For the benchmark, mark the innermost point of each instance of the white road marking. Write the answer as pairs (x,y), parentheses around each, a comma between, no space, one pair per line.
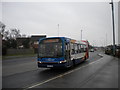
(38,84)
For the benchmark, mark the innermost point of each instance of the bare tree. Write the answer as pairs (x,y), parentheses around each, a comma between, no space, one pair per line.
(15,33)
(2,28)
(6,35)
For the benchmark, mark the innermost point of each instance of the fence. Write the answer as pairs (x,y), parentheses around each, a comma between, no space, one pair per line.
(19,51)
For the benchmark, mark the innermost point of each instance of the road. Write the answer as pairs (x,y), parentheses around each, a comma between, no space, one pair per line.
(96,72)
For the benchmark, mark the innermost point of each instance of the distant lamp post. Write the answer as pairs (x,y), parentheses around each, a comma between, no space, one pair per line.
(106,39)
(58,30)
(81,34)
(113,26)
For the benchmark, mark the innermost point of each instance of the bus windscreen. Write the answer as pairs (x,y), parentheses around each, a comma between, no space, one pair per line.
(50,48)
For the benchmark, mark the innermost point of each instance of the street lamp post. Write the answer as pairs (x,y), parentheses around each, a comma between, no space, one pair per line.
(113,26)
(106,39)
(81,34)
(58,30)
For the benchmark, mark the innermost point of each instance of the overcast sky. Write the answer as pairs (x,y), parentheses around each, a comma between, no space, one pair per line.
(94,18)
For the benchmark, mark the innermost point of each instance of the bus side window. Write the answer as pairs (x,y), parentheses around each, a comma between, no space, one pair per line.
(72,48)
(79,48)
(67,47)
(82,48)
(85,48)
(67,51)
(76,48)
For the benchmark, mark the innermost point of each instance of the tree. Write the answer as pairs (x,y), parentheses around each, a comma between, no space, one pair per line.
(26,43)
(9,37)
(15,33)
(2,29)
(6,35)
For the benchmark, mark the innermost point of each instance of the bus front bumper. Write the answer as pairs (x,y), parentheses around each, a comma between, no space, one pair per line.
(52,65)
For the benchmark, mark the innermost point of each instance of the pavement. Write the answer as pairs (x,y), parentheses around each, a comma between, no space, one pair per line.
(99,71)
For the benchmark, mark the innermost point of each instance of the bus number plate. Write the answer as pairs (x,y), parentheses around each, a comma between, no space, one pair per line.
(49,65)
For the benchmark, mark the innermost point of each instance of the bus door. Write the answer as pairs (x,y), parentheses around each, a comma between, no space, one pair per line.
(67,54)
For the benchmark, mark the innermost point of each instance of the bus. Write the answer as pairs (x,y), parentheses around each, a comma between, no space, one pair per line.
(61,52)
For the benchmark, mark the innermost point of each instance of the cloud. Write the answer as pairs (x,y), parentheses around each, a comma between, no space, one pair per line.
(42,18)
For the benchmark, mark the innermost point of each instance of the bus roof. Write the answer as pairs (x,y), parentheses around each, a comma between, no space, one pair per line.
(66,39)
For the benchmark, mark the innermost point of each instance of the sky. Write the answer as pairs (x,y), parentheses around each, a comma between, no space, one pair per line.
(42,18)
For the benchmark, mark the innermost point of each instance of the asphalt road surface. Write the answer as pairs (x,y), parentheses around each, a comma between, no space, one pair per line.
(96,72)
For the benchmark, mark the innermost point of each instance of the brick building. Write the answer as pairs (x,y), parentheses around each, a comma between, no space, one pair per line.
(34,41)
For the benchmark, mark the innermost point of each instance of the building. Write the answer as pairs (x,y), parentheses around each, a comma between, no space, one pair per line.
(35,39)
(23,42)
(29,42)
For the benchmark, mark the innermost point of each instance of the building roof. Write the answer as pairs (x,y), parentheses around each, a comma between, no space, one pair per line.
(22,38)
(37,37)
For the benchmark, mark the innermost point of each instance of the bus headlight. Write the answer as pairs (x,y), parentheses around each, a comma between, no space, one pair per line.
(62,61)
(39,62)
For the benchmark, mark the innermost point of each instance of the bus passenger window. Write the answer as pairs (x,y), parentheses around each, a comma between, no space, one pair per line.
(85,48)
(67,52)
(79,48)
(82,49)
(76,48)
(72,49)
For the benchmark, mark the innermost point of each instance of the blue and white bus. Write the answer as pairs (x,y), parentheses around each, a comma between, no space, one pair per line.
(61,52)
